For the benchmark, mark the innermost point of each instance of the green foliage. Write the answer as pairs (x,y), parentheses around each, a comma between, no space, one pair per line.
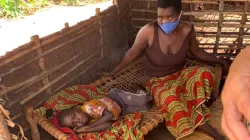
(15,8)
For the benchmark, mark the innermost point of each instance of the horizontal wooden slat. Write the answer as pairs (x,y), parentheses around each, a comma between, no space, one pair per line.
(200,1)
(201,13)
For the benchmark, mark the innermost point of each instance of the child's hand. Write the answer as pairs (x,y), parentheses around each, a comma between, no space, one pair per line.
(82,129)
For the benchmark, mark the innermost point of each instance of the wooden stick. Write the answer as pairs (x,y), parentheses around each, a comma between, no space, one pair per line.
(220,44)
(224,33)
(213,12)
(36,40)
(221,8)
(199,1)
(25,100)
(116,2)
(50,128)
(28,109)
(197,20)
(217,80)
(66,26)
(4,131)
(47,52)
(70,80)
(241,32)
(103,25)
(148,5)
(214,25)
(60,34)
(221,48)
(208,35)
(16,116)
(97,11)
(100,30)
(209,0)
(200,13)
(44,53)
(36,78)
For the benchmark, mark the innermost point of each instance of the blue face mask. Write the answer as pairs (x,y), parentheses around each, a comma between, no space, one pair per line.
(169,27)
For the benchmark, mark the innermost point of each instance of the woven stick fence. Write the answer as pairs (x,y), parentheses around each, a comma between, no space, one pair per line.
(221,26)
(35,71)
(40,68)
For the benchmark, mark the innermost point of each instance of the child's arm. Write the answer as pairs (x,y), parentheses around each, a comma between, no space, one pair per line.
(98,128)
(106,117)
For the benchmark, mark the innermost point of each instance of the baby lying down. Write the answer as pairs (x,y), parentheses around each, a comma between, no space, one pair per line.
(96,115)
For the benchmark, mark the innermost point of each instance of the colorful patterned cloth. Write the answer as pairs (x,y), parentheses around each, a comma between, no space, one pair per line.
(181,98)
(126,128)
(95,108)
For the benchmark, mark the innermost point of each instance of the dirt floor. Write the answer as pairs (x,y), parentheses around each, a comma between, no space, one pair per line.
(16,32)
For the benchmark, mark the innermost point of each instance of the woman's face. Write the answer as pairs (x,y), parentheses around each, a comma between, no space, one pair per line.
(167,15)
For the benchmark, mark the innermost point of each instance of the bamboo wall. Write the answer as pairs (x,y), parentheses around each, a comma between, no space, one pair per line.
(222,26)
(74,55)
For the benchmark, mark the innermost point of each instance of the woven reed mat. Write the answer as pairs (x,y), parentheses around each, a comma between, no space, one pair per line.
(135,73)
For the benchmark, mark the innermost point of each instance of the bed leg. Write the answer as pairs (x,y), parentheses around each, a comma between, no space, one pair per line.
(218,72)
(4,131)
(32,123)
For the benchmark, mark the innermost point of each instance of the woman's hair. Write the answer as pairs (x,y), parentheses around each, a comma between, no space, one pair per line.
(176,4)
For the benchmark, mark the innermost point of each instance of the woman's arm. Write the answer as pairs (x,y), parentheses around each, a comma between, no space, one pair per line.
(98,128)
(106,117)
(204,56)
(139,45)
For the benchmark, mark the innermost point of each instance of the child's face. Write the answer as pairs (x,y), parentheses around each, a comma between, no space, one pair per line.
(75,118)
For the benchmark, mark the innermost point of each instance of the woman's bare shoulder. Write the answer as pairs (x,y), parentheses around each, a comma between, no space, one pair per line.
(186,27)
(147,29)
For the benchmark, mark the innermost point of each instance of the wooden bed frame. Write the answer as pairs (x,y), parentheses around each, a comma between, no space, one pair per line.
(132,73)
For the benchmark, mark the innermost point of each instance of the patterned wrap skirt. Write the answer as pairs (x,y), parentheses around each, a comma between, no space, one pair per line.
(181,97)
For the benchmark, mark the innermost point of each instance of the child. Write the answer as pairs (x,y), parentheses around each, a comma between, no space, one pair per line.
(96,115)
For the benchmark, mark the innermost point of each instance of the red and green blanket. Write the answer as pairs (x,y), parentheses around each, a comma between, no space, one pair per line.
(126,128)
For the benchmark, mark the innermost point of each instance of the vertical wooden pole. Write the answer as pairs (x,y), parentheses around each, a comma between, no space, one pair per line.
(148,4)
(36,40)
(216,46)
(116,2)
(66,27)
(4,131)
(132,32)
(32,123)
(241,31)
(97,13)
(191,7)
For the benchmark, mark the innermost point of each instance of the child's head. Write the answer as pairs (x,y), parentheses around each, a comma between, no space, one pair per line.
(73,118)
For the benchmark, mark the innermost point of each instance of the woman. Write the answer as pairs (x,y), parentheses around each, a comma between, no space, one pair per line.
(179,92)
